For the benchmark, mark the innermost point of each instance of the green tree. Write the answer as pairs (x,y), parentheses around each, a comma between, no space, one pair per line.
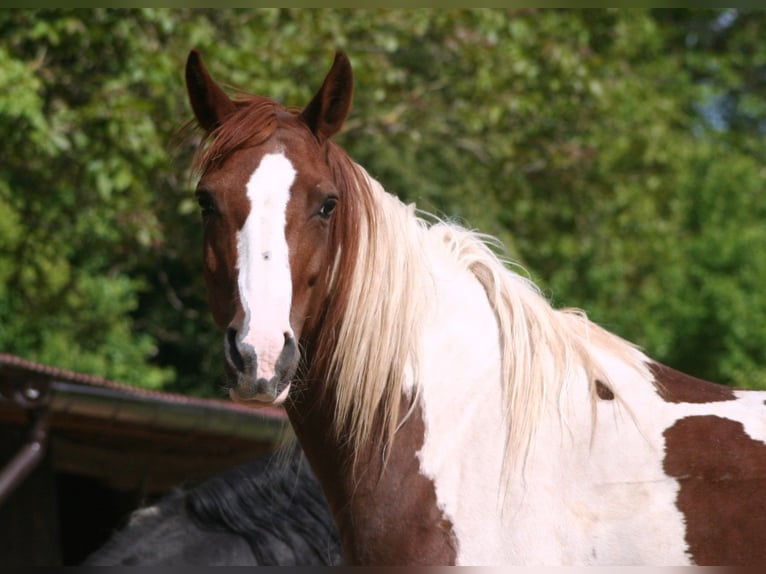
(79,154)
(617,153)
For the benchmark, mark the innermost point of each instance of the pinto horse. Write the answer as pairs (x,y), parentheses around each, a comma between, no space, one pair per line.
(451,414)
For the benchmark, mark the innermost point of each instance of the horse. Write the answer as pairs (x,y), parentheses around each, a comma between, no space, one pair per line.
(452,415)
(267,512)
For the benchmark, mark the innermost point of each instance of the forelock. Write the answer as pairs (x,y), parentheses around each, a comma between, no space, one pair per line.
(255,120)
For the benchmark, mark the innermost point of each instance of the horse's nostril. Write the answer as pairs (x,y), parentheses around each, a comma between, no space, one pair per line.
(234,356)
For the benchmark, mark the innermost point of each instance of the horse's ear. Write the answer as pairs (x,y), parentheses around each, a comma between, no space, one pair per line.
(210,104)
(328,109)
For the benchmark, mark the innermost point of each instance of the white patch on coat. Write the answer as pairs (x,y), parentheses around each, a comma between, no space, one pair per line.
(584,495)
(264,281)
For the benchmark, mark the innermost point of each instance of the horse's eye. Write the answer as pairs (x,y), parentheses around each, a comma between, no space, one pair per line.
(328,207)
(206,203)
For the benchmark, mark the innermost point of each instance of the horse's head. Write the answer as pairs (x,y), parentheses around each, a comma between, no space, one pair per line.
(268,200)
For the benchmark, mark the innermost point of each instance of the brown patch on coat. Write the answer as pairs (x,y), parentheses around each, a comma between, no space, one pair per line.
(385,516)
(604,392)
(721,472)
(677,387)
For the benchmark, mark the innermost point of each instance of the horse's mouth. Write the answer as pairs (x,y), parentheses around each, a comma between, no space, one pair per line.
(256,380)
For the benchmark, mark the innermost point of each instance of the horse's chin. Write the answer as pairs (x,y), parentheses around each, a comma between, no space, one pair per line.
(257,399)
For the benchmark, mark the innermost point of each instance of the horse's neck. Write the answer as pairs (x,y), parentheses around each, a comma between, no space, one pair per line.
(444,476)
(460,393)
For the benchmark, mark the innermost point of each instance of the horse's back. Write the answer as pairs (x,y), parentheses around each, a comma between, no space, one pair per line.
(266,512)
(680,462)
(164,535)
(715,450)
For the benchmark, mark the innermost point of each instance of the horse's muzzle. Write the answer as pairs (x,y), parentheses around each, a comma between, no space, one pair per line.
(261,381)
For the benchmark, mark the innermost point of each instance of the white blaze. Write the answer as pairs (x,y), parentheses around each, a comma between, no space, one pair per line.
(265,285)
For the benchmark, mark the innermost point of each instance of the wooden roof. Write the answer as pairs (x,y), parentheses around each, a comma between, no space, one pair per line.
(128,436)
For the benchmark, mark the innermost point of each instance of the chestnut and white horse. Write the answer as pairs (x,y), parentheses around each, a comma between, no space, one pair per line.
(451,415)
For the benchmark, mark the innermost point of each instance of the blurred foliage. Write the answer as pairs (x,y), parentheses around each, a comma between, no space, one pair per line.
(617,153)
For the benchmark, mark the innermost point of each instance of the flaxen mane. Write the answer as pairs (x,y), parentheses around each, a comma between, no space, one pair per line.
(385,285)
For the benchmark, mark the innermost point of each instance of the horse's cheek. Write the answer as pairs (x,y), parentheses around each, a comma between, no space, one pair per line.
(211,262)
(305,268)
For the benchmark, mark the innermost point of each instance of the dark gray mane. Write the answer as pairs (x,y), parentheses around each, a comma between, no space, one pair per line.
(276,505)
(267,512)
